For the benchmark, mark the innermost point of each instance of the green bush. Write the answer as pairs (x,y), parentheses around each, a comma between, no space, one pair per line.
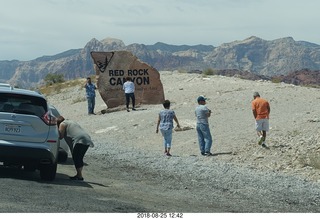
(209,71)
(51,79)
(276,80)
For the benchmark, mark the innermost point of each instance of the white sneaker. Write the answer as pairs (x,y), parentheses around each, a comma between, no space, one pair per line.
(261,140)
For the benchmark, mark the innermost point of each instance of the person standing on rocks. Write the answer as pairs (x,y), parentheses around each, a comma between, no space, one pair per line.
(261,112)
(91,95)
(203,130)
(78,139)
(129,88)
(165,122)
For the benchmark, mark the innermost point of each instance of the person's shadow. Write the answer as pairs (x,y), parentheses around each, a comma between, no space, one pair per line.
(221,153)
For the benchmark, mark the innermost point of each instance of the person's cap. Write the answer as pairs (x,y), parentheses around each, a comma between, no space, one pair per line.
(201,98)
(256,94)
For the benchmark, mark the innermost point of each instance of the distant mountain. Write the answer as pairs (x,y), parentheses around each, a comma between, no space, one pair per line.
(252,56)
(276,57)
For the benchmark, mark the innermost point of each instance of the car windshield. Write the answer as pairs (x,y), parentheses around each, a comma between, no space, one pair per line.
(23,104)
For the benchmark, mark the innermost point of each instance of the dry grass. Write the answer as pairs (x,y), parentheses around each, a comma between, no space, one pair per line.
(58,87)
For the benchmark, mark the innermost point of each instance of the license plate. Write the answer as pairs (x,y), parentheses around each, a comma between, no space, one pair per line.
(13,129)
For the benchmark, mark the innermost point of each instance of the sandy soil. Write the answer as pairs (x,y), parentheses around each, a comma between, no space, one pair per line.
(241,177)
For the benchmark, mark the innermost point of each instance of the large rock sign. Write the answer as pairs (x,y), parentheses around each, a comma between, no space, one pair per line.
(113,67)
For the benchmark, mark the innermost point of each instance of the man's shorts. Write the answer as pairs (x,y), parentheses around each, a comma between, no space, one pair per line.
(262,125)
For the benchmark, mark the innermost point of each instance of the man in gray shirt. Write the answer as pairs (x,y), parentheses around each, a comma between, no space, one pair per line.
(204,136)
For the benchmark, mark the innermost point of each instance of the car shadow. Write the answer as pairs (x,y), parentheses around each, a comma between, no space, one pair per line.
(20,174)
(69,162)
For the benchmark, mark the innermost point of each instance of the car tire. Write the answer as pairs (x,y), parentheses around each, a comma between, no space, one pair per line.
(62,156)
(48,171)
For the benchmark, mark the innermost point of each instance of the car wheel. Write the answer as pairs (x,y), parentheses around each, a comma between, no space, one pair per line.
(62,156)
(48,171)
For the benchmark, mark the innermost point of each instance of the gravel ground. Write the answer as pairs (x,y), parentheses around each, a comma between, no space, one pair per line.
(241,177)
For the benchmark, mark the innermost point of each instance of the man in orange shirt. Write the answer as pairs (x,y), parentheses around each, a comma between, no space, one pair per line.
(261,112)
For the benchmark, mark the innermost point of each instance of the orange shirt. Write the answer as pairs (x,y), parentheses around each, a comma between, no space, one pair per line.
(261,106)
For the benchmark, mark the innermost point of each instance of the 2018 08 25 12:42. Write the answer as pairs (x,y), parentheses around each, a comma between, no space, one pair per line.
(159,215)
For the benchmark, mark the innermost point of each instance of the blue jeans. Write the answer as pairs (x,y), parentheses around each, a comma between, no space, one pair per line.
(204,137)
(167,138)
(132,97)
(91,104)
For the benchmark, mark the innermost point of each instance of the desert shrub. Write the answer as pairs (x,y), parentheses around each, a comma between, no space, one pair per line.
(59,86)
(51,79)
(276,80)
(209,71)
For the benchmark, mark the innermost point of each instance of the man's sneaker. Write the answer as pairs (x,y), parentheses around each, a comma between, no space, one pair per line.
(208,154)
(168,154)
(261,140)
(134,109)
(204,154)
(128,110)
(76,178)
(264,145)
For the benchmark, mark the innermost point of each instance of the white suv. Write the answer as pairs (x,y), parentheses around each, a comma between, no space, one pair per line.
(28,132)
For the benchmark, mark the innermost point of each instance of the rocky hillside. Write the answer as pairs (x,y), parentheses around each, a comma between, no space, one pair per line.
(252,56)
(304,77)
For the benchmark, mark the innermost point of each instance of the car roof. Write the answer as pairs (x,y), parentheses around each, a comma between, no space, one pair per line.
(7,88)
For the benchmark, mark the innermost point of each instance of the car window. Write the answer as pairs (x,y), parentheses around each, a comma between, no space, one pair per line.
(7,107)
(23,104)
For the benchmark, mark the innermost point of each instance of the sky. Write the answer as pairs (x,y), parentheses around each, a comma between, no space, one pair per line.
(33,28)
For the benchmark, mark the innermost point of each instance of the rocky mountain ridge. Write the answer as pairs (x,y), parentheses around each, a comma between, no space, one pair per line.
(252,56)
